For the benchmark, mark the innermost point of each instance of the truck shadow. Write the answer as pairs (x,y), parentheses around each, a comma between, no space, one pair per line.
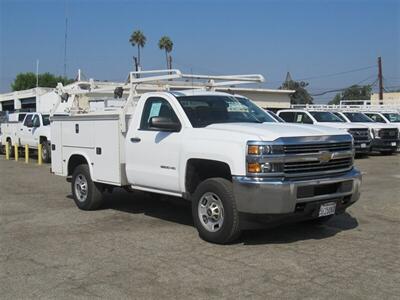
(179,211)
(162,207)
(290,233)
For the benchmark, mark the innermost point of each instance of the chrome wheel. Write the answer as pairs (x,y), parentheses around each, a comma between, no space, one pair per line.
(211,212)
(81,188)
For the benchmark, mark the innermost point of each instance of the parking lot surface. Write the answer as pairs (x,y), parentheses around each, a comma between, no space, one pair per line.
(143,247)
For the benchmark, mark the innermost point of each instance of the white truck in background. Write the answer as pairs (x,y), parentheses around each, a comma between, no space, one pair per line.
(34,129)
(360,133)
(208,148)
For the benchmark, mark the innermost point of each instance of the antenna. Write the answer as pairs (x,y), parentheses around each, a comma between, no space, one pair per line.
(65,40)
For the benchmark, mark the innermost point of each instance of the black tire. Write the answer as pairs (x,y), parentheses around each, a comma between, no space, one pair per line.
(321,220)
(46,152)
(94,195)
(229,229)
(10,148)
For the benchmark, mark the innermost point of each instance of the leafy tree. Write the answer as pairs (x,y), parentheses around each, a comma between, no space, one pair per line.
(166,43)
(301,95)
(138,39)
(354,92)
(24,81)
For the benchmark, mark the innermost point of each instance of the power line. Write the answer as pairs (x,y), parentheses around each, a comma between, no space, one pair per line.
(342,89)
(339,73)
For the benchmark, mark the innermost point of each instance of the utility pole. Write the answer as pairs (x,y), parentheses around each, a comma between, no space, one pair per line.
(380,79)
(37,73)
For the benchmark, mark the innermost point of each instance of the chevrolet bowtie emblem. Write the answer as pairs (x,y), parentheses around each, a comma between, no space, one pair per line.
(325,156)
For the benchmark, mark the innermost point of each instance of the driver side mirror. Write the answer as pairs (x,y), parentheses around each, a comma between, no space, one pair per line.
(164,124)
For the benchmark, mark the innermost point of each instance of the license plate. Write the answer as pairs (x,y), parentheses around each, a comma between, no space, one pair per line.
(327,209)
(363,145)
(394,144)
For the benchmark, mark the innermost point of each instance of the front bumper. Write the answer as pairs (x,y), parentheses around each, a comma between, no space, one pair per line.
(274,196)
(362,146)
(385,144)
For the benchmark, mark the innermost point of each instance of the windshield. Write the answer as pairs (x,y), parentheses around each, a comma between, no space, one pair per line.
(358,117)
(46,120)
(325,116)
(392,117)
(205,110)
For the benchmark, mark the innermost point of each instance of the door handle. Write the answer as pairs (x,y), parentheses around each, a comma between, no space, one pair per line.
(20,129)
(135,140)
(29,130)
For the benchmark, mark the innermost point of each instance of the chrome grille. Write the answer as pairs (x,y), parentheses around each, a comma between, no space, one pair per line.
(360,134)
(316,148)
(388,133)
(316,166)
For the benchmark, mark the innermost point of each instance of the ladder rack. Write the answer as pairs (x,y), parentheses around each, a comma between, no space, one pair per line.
(145,81)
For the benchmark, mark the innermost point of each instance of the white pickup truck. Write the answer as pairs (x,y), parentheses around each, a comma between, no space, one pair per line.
(32,131)
(213,150)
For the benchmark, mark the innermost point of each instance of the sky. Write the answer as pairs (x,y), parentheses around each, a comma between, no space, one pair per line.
(329,44)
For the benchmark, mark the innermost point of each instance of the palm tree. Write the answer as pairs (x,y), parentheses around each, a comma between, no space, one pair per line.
(138,39)
(166,44)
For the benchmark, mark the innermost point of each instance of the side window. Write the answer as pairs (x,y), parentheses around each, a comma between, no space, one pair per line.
(376,118)
(21,117)
(302,117)
(28,120)
(288,116)
(36,121)
(156,107)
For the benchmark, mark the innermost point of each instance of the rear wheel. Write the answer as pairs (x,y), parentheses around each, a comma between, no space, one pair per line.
(87,194)
(214,211)
(46,153)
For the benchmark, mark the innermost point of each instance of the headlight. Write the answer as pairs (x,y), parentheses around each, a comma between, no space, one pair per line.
(264,168)
(257,160)
(264,149)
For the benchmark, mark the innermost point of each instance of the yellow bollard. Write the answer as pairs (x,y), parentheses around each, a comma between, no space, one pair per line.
(16,152)
(39,154)
(26,154)
(7,151)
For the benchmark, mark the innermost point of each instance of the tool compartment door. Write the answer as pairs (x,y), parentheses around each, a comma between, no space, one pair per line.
(106,160)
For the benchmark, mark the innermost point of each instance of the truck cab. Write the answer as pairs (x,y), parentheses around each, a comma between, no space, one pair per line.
(361,136)
(385,137)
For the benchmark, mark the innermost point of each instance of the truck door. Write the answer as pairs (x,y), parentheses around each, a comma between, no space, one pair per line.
(25,132)
(152,156)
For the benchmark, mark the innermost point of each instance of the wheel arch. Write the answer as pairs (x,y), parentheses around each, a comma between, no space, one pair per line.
(77,159)
(200,169)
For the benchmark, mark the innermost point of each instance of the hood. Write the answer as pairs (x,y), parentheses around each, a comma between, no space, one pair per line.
(273,131)
(376,125)
(342,125)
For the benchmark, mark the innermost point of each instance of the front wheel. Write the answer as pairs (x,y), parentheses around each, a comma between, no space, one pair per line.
(214,211)
(87,194)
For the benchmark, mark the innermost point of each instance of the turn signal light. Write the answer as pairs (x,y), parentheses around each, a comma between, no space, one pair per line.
(253,150)
(253,168)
